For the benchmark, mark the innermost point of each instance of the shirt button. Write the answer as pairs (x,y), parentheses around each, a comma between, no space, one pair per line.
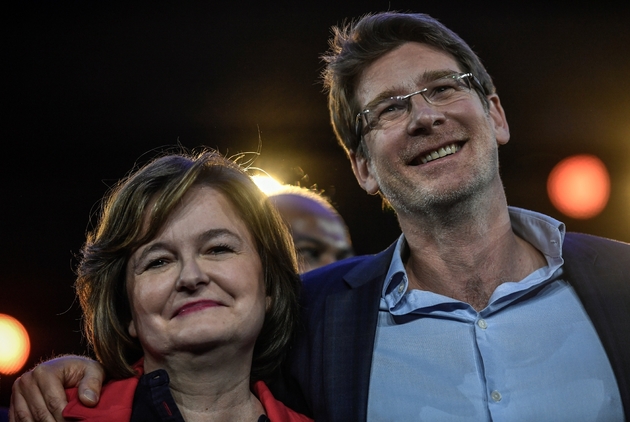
(401,287)
(496,396)
(482,324)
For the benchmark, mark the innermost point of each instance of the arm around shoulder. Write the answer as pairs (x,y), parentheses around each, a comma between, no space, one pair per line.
(39,395)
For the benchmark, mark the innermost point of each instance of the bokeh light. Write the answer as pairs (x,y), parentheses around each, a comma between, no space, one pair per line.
(14,345)
(579,186)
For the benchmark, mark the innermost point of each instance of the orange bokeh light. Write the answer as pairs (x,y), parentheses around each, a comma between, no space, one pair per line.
(14,345)
(579,186)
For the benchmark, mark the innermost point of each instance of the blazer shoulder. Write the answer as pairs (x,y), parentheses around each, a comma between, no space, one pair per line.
(573,238)
(347,273)
(597,249)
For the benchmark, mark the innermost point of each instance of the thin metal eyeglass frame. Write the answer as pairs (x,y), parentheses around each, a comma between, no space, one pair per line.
(358,124)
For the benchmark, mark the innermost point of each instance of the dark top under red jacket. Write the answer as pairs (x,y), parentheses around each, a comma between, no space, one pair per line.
(147,397)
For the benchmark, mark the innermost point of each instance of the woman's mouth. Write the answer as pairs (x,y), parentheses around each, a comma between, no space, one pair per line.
(195,306)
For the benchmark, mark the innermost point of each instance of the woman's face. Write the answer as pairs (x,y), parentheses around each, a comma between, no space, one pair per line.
(198,284)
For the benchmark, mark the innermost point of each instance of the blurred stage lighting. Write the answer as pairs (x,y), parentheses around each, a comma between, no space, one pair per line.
(14,345)
(579,186)
(267,184)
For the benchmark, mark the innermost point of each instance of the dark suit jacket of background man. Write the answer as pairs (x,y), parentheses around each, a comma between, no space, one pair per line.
(331,359)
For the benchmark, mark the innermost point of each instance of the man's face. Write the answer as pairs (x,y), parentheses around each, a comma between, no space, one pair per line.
(394,163)
(319,240)
(319,234)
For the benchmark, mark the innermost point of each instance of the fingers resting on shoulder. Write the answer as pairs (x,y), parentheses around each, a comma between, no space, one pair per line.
(38,395)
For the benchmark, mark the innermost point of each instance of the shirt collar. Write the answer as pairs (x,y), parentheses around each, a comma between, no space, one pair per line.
(545,233)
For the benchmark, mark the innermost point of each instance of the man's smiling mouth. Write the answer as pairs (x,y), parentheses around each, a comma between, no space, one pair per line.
(439,153)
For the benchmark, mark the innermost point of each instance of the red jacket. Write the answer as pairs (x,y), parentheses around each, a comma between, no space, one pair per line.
(116,402)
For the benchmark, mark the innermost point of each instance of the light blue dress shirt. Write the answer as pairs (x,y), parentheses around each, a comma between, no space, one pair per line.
(531,355)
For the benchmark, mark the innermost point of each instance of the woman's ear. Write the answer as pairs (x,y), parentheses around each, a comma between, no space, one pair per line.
(132,329)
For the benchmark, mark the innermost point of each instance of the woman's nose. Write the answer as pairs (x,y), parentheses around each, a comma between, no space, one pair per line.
(191,275)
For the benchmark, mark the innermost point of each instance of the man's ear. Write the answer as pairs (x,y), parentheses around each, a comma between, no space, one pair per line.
(499,121)
(362,169)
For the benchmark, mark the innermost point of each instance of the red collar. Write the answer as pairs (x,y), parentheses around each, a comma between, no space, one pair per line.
(116,402)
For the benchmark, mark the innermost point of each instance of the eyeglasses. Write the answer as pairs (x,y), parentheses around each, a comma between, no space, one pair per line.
(440,92)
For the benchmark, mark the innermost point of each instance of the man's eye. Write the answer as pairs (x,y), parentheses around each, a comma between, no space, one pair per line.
(441,89)
(389,108)
(343,255)
(310,253)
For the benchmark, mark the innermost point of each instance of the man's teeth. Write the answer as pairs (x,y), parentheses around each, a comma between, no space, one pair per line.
(442,152)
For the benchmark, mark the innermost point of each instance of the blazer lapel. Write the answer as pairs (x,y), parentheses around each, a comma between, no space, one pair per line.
(350,327)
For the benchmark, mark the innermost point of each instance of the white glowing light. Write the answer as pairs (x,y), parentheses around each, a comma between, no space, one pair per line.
(14,345)
(267,184)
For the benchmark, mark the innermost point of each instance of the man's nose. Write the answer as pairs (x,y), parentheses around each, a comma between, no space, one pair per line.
(423,116)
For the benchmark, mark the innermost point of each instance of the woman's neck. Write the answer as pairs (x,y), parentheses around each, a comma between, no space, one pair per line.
(227,400)
(210,389)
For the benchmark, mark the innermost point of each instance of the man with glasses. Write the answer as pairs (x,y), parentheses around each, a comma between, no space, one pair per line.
(479,311)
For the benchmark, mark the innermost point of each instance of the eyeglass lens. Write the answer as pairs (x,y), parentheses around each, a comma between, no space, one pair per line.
(440,92)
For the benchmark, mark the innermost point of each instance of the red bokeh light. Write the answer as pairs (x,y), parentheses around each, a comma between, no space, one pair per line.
(579,186)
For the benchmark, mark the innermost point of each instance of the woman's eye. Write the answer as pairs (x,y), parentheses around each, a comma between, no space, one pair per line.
(156,263)
(220,249)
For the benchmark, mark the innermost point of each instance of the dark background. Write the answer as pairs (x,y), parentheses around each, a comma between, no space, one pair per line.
(89,88)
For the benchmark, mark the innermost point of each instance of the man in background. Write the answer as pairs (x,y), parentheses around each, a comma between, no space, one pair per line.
(319,233)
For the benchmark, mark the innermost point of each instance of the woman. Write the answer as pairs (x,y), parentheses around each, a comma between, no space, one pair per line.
(189,290)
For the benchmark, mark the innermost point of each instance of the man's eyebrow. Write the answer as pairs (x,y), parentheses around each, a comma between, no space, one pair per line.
(307,238)
(425,77)
(432,75)
(381,97)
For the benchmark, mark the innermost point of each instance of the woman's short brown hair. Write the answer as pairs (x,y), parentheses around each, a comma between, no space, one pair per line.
(154,191)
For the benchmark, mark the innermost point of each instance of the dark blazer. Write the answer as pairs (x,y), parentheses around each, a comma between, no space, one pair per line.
(329,366)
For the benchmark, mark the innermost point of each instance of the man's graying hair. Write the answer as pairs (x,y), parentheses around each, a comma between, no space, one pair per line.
(356,45)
